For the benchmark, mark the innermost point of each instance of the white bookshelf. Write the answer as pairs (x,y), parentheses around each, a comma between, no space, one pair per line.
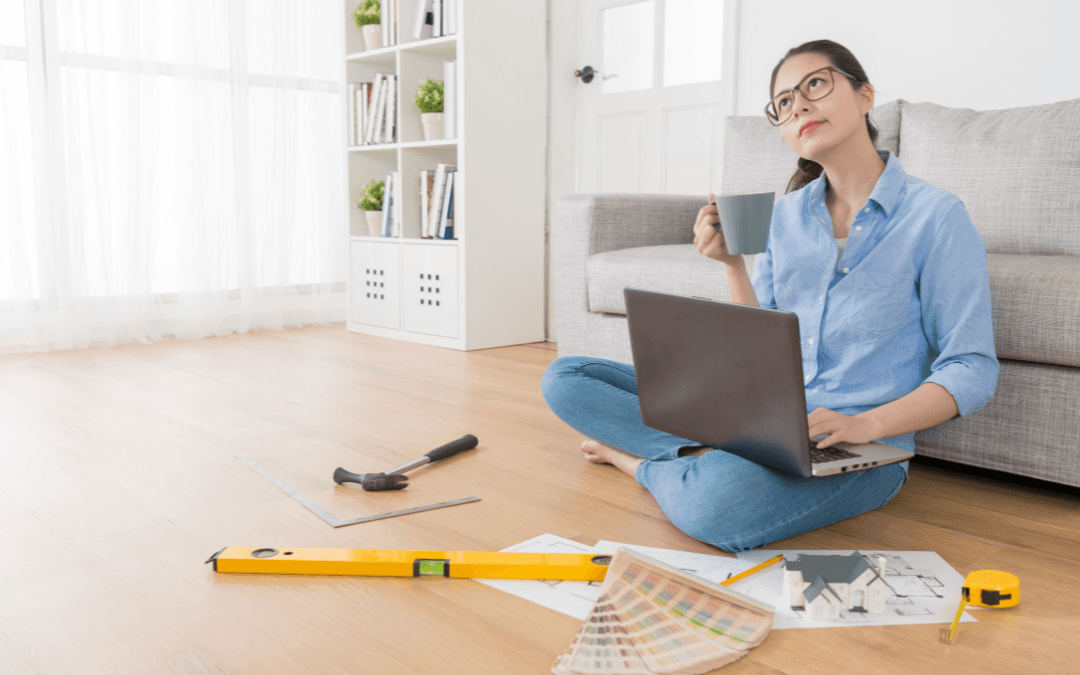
(485,288)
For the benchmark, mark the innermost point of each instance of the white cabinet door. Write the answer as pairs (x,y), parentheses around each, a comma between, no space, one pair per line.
(376,299)
(431,289)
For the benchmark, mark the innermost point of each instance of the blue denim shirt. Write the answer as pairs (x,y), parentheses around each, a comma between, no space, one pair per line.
(908,303)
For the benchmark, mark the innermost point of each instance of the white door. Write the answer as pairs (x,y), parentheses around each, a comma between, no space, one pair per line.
(650,121)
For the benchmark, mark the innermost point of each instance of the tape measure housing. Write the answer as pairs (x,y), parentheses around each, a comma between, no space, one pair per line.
(992,588)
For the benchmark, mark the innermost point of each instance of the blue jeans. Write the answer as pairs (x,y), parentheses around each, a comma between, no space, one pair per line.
(718,498)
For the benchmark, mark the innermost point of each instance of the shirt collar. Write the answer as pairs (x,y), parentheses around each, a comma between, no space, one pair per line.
(886,193)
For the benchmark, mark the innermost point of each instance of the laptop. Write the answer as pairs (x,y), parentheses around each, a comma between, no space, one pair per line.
(729,376)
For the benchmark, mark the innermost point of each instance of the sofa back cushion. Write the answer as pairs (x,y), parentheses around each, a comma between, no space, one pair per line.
(758,159)
(1017,170)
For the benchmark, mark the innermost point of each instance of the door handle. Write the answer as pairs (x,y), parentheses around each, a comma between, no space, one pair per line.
(588,72)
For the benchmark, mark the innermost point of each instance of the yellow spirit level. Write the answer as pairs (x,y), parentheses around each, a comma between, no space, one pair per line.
(390,563)
(987,588)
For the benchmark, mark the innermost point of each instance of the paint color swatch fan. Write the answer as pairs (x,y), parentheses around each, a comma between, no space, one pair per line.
(654,618)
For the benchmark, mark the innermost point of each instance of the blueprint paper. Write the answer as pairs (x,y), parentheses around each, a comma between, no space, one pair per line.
(714,568)
(923,588)
(575,598)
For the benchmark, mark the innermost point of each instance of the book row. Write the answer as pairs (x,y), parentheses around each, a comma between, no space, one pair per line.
(436,203)
(372,111)
(441,15)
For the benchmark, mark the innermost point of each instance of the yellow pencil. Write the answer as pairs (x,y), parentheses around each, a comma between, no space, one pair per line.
(743,575)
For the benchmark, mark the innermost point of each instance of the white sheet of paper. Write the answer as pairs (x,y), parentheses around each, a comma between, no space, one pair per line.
(711,567)
(575,598)
(923,589)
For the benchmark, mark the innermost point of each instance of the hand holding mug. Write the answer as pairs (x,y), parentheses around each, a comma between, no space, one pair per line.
(709,239)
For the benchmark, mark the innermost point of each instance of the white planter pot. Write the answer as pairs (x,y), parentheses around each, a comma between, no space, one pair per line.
(433,126)
(374,223)
(372,36)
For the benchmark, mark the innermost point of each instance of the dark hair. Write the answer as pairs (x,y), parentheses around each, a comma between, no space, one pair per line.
(841,58)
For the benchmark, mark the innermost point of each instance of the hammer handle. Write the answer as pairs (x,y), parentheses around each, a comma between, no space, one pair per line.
(466,442)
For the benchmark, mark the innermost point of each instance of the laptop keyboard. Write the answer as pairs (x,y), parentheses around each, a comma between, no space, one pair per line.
(829,454)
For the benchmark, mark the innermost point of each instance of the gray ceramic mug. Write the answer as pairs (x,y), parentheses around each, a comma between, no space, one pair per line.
(744,220)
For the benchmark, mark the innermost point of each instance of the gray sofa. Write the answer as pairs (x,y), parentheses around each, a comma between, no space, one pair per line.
(1018,173)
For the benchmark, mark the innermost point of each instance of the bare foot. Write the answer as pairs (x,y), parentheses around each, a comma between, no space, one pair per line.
(594,452)
(598,453)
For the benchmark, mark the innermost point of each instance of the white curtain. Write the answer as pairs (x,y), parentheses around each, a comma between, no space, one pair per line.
(169,168)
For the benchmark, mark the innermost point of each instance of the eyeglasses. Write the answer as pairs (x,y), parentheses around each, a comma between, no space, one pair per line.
(814,87)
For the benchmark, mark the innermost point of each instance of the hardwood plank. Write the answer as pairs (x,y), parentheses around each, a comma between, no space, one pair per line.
(117,480)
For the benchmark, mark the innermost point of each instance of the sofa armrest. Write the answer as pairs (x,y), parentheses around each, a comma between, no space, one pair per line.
(596,223)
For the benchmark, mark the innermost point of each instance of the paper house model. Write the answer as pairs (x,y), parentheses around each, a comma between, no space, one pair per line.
(825,584)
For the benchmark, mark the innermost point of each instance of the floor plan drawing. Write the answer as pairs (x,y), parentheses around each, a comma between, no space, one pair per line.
(922,588)
(575,598)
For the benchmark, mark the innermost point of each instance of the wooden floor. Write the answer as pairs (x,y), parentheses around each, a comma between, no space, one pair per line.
(118,480)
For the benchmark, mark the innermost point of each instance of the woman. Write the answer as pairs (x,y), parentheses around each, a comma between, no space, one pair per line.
(888,277)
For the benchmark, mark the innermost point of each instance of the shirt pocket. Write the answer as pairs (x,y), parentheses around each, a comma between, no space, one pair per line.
(881,303)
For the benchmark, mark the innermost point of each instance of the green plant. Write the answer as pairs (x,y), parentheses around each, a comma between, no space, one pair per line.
(429,97)
(367,13)
(373,196)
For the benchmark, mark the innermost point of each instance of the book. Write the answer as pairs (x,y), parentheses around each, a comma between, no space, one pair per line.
(437,195)
(436,28)
(365,89)
(385,224)
(395,230)
(451,14)
(385,25)
(351,114)
(422,11)
(427,182)
(392,18)
(391,103)
(376,94)
(655,618)
(446,217)
(449,99)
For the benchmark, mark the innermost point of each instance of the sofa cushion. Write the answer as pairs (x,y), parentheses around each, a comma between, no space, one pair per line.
(1035,299)
(758,159)
(1017,170)
(676,268)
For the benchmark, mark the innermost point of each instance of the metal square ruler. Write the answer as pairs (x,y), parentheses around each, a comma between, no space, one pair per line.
(330,518)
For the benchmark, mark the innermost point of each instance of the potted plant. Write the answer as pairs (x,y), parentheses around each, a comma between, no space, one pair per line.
(371,202)
(429,99)
(368,20)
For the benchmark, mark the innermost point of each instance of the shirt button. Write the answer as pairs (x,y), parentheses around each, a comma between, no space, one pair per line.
(811,340)
(866,210)
(823,203)
(821,297)
(858,228)
(846,270)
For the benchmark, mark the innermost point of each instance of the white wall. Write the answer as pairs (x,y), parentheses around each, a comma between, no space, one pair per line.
(983,55)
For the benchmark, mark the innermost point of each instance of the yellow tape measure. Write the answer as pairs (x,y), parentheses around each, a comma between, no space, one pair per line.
(987,588)
(395,563)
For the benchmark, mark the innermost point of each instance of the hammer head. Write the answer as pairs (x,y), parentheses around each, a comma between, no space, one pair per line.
(377,482)
(372,482)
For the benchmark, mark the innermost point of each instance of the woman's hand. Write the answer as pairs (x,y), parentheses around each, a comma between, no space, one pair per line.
(853,429)
(708,240)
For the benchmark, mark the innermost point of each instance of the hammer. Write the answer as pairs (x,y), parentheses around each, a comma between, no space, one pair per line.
(391,480)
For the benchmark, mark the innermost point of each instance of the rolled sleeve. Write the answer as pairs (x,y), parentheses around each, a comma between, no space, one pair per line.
(762,279)
(956,312)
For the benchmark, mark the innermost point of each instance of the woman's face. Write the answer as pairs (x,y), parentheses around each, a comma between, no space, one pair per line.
(841,112)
